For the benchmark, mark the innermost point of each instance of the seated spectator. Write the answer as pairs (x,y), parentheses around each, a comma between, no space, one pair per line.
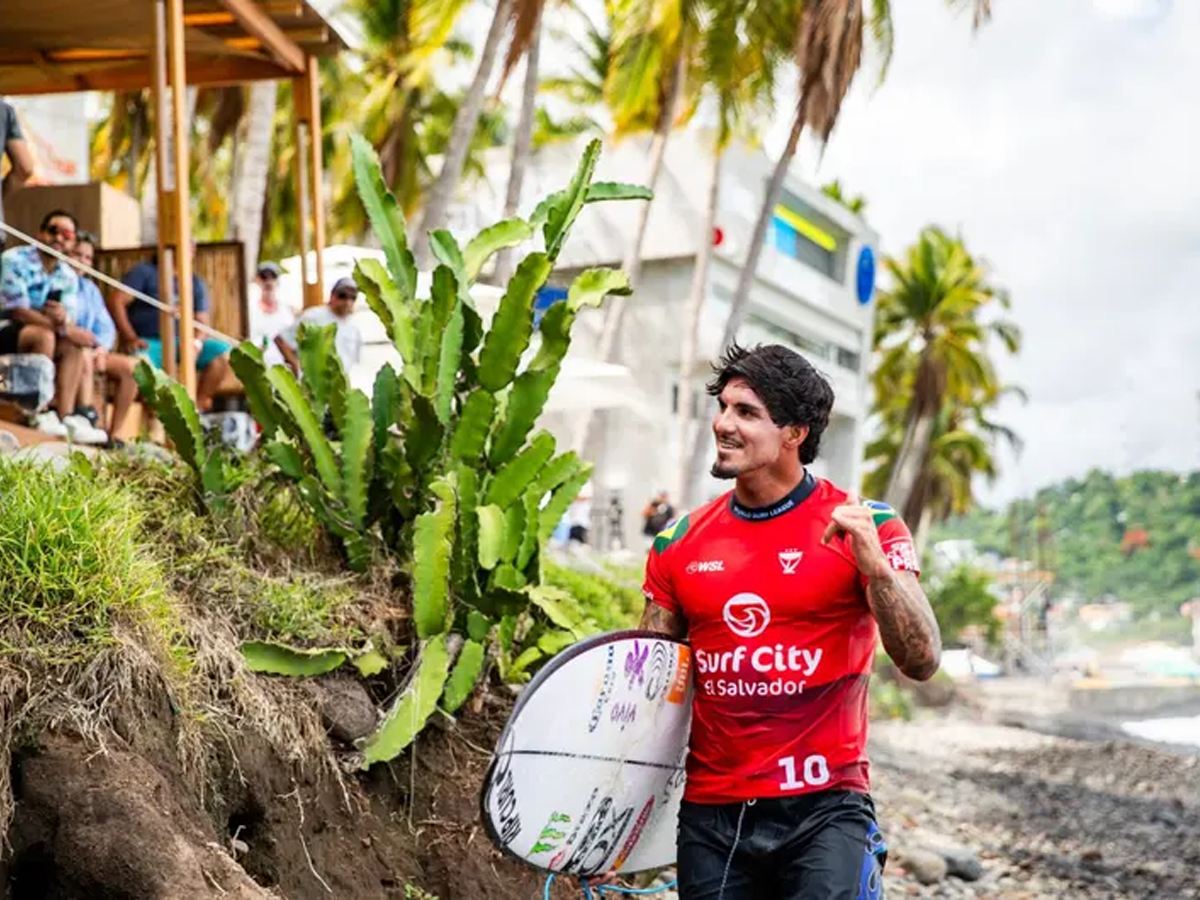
(268,316)
(41,296)
(137,327)
(20,157)
(348,339)
(116,367)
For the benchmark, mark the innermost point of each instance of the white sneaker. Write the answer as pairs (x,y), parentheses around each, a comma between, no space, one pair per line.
(48,423)
(84,432)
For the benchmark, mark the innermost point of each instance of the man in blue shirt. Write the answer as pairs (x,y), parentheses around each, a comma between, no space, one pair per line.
(117,367)
(41,299)
(137,324)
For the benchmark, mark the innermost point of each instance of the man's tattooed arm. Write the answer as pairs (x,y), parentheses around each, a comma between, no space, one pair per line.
(662,620)
(907,624)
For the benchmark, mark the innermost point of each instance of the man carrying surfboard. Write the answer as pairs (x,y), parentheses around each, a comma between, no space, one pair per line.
(783,587)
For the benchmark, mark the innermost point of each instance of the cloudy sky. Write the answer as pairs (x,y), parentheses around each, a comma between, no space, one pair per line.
(1062,142)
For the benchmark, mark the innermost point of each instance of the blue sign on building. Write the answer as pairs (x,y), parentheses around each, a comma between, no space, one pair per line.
(866,275)
(544,299)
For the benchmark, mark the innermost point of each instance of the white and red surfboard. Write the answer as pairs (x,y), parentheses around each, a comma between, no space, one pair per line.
(588,773)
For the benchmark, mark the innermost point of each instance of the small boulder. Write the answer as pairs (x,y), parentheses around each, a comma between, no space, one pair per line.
(961,862)
(925,866)
(346,709)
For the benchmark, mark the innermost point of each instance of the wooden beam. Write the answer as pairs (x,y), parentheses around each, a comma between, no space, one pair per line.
(258,24)
(316,171)
(137,77)
(183,225)
(309,168)
(164,186)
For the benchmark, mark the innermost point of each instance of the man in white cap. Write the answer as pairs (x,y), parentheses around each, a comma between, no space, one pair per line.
(348,340)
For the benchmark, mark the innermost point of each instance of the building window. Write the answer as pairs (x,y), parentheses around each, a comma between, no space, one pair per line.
(698,396)
(848,359)
(810,346)
(801,233)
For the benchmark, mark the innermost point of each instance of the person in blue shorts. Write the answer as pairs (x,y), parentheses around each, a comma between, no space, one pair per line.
(137,324)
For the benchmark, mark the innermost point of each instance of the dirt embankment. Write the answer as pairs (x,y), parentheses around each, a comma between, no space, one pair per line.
(125,823)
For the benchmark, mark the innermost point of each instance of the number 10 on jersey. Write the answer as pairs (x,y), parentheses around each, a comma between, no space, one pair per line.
(814,771)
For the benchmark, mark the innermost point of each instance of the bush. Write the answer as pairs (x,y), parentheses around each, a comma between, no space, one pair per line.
(889,701)
(962,599)
(604,604)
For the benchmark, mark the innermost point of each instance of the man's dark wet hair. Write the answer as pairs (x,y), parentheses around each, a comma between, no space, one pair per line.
(56,213)
(793,392)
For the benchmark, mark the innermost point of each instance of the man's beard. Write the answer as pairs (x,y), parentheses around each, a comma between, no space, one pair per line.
(724,472)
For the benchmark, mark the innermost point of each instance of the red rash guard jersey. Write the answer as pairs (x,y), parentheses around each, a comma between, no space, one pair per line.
(782,639)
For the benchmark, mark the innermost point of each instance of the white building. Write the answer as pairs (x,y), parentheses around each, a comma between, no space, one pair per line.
(805,297)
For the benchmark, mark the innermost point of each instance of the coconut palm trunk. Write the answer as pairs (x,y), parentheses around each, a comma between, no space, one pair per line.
(913,454)
(741,297)
(758,237)
(522,144)
(437,201)
(910,459)
(691,327)
(254,160)
(150,188)
(615,307)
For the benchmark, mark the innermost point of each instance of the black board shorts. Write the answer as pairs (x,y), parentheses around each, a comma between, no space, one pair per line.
(821,846)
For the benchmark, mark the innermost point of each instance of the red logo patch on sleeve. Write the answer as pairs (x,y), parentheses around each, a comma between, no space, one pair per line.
(901,555)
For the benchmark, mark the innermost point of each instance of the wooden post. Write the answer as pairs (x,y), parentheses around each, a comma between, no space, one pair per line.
(164,161)
(309,170)
(181,213)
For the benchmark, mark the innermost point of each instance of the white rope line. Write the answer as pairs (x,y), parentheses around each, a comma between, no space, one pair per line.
(112,282)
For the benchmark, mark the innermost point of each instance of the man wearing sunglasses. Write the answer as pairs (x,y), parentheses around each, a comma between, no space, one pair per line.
(41,298)
(348,340)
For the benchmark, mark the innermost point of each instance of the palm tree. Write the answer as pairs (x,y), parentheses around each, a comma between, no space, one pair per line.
(439,195)
(393,85)
(121,147)
(650,82)
(740,54)
(653,53)
(387,91)
(962,447)
(526,42)
(583,87)
(932,336)
(252,164)
(834,190)
(828,53)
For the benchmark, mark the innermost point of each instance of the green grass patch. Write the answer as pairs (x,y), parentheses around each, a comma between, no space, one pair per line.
(256,562)
(304,614)
(607,604)
(72,563)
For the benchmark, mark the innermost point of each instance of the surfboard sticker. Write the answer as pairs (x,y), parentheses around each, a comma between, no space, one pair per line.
(589,771)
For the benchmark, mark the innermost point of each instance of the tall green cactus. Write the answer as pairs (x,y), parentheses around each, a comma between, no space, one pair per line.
(438,466)
(177,412)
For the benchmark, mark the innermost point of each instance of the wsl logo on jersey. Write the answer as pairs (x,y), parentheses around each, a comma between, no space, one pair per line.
(747,615)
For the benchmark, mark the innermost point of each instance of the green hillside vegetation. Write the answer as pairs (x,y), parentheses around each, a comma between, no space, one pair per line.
(1134,539)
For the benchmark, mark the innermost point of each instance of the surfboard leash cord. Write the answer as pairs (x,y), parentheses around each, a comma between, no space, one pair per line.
(600,890)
